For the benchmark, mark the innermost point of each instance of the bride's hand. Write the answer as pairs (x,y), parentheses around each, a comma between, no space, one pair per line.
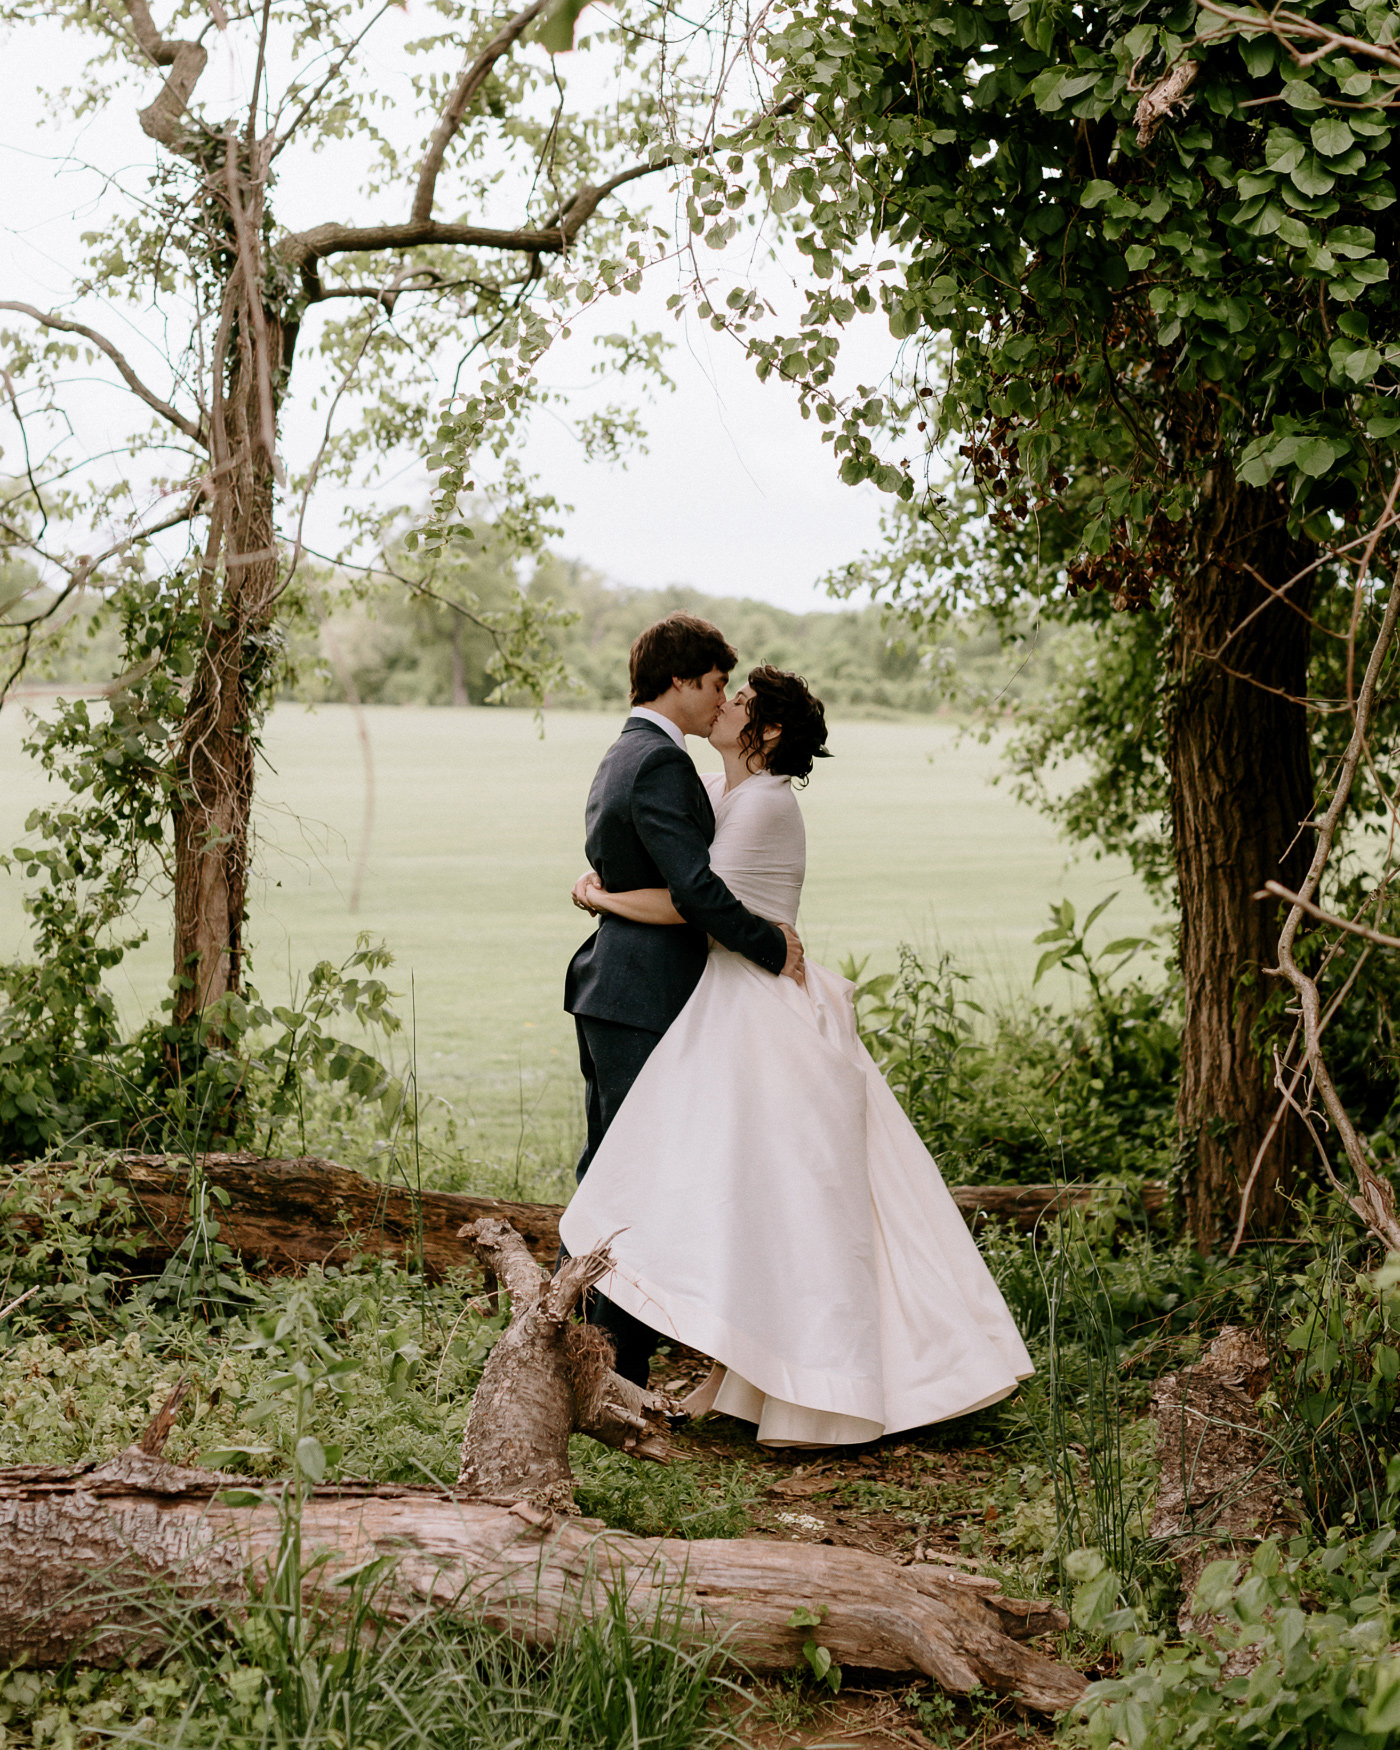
(584,889)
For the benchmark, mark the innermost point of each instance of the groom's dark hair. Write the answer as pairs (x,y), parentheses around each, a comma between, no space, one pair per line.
(681,647)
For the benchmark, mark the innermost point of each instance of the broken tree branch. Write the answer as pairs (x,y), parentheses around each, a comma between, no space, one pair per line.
(548,1378)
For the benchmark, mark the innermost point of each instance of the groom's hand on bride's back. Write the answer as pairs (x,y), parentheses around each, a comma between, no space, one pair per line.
(793,966)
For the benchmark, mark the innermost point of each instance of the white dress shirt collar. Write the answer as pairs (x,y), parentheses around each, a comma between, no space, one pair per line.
(650,716)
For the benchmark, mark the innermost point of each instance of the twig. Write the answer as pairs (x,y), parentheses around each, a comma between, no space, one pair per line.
(129,377)
(1276,890)
(19,1300)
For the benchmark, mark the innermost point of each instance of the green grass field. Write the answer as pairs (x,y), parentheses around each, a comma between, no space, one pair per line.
(478,836)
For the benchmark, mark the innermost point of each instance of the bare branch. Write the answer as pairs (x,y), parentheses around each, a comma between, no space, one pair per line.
(1374,1199)
(468,85)
(160,120)
(132,381)
(304,249)
(1326,917)
(285,134)
(1288,25)
(24,440)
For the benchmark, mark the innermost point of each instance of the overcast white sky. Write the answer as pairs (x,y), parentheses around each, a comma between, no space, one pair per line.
(737,495)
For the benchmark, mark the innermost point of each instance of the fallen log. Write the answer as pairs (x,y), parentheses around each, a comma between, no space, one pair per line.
(286,1215)
(83,1551)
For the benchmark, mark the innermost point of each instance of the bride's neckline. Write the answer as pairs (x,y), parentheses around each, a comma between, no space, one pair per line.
(772,777)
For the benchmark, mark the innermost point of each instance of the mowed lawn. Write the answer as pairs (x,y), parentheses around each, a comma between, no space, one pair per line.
(478,835)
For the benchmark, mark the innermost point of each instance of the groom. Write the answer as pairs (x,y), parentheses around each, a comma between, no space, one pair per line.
(650,824)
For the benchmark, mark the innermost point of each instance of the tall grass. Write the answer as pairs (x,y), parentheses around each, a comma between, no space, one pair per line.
(279,1674)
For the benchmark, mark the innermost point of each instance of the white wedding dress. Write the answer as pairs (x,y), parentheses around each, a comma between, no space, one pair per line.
(768,1203)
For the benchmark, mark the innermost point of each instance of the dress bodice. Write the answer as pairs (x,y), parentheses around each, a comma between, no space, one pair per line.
(760,844)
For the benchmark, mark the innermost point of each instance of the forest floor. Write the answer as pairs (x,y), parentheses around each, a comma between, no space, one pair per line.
(912,1497)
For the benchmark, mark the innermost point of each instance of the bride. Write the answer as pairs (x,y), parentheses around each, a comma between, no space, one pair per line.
(766,1200)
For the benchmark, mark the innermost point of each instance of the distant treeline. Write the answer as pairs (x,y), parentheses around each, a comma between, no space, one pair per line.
(400,649)
(404,644)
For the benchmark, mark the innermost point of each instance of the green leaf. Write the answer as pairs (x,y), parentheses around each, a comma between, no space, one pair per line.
(1094,1599)
(1312,176)
(805,1617)
(1362,364)
(1283,151)
(1316,456)
(1139,256)
(1126,945)
(1083,1564)
(1332,136)
(311,1457)
(1383,425)
(556,32)
(1051,957)
(1353,241)
(1258,55)
(1216,1586)
(1383,1711)
(1096,192)
(1099,909)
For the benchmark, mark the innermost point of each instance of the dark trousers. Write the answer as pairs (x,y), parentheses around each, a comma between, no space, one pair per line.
(611,1056)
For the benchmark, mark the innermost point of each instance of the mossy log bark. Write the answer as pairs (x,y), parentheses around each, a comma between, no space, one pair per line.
(286,1215)
(84,1550)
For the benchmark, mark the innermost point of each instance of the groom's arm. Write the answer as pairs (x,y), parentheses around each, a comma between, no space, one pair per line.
(663,812)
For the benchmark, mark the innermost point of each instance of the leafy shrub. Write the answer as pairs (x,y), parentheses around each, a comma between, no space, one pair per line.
(1309,1627)
(1030,1094)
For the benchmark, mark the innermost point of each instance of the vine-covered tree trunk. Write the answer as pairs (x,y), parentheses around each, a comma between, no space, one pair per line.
(216,754)
(1242,796)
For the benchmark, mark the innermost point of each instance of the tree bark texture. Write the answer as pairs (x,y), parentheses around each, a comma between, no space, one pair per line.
(78,1547)
(1242,795)
(287,1215)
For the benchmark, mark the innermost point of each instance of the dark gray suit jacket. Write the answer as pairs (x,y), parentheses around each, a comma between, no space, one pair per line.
(650,824)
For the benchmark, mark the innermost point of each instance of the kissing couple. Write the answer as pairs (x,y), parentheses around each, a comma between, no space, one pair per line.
(764,1196)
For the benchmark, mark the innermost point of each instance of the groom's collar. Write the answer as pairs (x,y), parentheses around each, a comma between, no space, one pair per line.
(649,716)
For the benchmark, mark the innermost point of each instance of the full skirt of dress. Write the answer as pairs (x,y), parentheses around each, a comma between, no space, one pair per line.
(768,1203)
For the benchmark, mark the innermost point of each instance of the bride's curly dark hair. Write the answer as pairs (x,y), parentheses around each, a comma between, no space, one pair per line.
(784,702)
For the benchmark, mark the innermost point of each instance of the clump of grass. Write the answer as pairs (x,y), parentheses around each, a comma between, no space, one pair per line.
(653,1501)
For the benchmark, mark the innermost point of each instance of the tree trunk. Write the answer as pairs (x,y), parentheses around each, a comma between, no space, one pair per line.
(215,758)
(84,1550)
(1241,778)
(460,696)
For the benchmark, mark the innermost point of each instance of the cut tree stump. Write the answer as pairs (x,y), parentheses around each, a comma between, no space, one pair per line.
(1219,1491)
(289,1214)
(77,1547)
